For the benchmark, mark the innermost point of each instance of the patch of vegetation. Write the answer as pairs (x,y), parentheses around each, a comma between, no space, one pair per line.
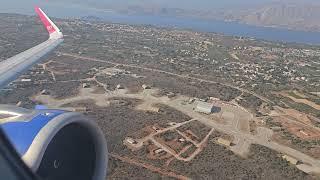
(251,102)
(305,108)
(189,152)
(197,128)
(300,107)
(295,95)
(121,170)
(217,162)
(169,135)
(298,143)
(271,123)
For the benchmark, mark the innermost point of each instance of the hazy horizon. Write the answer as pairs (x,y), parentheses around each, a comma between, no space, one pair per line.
(26,7)
(81,8)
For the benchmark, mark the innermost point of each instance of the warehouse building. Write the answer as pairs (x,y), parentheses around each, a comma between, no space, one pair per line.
(224,142)
(207,108)
(290,159)
(144,86)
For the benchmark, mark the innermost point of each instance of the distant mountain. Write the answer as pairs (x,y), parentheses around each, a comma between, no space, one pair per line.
(301,16)
(290,14)
(91,18)
(282,14)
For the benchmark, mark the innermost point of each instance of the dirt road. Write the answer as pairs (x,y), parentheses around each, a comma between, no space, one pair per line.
(244,139)
(169,73)
(149,167)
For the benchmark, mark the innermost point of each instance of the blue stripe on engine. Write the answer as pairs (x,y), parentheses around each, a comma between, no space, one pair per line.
(22,134)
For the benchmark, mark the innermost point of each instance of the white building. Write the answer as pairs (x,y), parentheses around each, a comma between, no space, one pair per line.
(144,86)
(158,151)
(224,142)
(119,86)
(207,108)
(290,159)
(130,141)
(25,80)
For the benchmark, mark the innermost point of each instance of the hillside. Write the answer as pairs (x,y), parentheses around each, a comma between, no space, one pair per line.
(282,14)
(289,15)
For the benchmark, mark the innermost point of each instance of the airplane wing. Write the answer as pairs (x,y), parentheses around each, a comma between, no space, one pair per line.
(44,138)
(15,66)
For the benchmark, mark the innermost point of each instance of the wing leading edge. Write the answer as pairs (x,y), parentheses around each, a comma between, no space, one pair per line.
(13,67)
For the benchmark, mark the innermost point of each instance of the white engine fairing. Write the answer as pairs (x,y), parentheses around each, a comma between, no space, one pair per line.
(56,144)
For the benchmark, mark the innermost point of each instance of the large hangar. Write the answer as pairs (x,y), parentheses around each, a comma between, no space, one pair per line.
(207,108)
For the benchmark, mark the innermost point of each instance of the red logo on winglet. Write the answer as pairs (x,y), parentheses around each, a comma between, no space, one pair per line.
(45,20)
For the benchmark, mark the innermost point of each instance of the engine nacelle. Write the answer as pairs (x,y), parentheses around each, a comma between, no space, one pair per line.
(57,144)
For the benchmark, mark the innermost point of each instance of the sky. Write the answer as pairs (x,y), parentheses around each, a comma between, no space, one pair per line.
(24,6)
(53,6)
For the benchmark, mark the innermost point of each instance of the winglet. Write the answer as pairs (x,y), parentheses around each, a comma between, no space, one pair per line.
(52,29)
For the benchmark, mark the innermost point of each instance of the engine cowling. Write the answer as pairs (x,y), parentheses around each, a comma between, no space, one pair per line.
(57,144)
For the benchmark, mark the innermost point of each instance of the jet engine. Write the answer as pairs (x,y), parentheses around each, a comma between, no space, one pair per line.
(56,144)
